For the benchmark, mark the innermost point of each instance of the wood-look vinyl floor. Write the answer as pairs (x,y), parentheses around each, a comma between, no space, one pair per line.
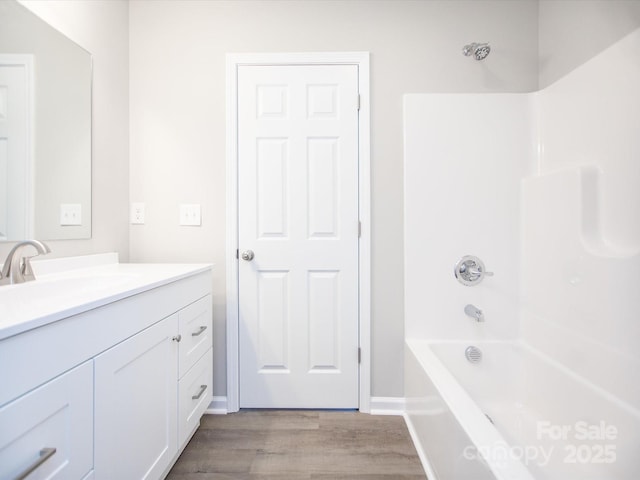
(299,445)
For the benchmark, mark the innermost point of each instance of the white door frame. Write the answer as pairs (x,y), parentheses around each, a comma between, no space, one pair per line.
(361,59)
(26,61)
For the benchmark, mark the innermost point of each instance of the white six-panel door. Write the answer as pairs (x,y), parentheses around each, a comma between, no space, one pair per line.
(298,216)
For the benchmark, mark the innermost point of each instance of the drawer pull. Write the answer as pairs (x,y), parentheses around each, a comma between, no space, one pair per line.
(203,388)
(177,338)
(202,329)
(45,454)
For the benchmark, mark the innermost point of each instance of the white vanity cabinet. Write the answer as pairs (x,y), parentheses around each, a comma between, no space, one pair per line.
(116,390)
(195,366)
(50,429)
(136,396)
(144,412)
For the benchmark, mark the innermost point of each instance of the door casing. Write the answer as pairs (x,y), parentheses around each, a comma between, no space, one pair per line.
(25,61)
(361,59)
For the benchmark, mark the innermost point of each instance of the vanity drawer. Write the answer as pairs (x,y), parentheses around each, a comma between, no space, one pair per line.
(194,396)
(57,415)
(195,327)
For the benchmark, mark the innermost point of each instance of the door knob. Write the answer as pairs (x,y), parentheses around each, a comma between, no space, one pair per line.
(247,255)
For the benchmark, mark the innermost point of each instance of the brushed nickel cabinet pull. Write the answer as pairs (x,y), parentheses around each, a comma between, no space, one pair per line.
(199,394)
(45,454)
(202,329)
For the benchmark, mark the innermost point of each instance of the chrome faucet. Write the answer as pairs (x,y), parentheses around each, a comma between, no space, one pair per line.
(474,312)
(17,268)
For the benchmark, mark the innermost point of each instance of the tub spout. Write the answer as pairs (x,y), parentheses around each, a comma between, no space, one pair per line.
(474,312)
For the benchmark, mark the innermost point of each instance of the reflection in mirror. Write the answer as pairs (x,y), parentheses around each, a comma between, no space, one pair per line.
(45,130)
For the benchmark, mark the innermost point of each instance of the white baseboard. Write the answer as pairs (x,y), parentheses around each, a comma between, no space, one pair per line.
(379,406)
(388,405)
(218,406)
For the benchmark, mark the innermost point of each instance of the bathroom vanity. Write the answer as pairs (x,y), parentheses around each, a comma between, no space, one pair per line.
(104,371)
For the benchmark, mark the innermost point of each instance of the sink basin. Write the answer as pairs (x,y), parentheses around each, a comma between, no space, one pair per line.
(59,292)
(66,286)
(85,284)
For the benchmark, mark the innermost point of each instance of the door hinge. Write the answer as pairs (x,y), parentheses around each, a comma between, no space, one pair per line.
(359,229)
(237,253)
(358,102)
(359,355)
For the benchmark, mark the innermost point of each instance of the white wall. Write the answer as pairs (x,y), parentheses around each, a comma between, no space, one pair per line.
(573,31)
(177,88)
(101,27)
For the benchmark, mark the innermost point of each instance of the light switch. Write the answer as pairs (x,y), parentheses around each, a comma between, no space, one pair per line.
(137,213)
(70,214)
(190,214)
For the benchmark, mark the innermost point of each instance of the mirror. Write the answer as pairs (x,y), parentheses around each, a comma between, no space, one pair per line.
(45,130)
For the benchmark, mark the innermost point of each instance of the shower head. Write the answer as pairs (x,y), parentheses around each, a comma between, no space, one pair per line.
(478,50)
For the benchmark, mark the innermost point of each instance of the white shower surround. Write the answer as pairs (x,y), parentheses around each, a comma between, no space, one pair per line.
(465,155)
(543,188)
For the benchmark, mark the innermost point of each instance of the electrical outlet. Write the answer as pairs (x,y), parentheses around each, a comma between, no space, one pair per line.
(70,214)
(137,213)
(190,215)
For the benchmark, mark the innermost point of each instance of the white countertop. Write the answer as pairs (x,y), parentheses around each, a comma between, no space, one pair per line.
(58,293)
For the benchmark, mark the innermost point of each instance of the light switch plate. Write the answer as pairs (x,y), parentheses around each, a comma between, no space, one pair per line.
(137,213)
(190,214)
(70,214)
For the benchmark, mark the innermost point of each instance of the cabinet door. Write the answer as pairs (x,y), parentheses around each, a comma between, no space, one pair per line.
(194,396)
(136,405)
(50,428)
(195,329)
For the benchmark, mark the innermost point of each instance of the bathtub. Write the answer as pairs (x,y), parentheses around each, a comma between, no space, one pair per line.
(515,415)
